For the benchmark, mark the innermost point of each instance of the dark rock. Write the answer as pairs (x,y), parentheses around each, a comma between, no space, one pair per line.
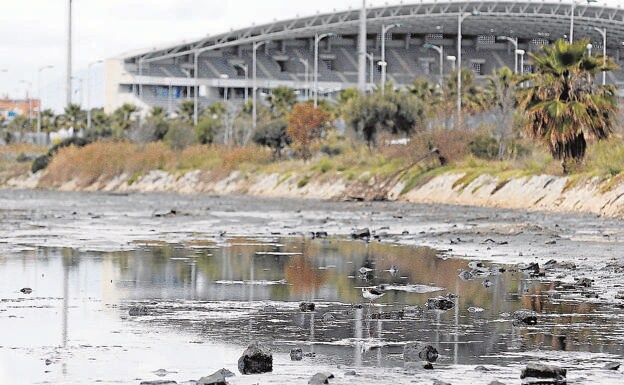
(619,295)
(296,354)
(217,378)
(525,317)
(535,370)
(439,382)
(310,355)
(321,234)
(256,359)
(26,290)
(328,317)
(427,365)
(321,378)
(393,315)
(584,282)
(481,368)
(137,311)
(466,276)
(170,213)
(496,382)
(612,366)
(487,283)
(350,373)
(440,303)
(420,352)
(533,269)
(306,306)
(361,234)
(159,382)
(476,265)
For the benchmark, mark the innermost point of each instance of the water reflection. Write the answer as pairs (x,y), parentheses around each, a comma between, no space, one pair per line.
(237,290)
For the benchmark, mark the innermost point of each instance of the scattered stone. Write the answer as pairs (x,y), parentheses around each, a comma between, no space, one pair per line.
(161,372)
(26,290)
(420,352)
(159,382)
(533,269)
(553,242)
(217,378)
(439,382)
(393,315)
(296,354)
(351,373)
(321,234)
(256,359)
(440,303)
(321,378)
(466,276)
(170,213)
(307,306)
(48,362)
(535,370)
(361,234)
(328,317)
(487,283)
(496,382)
(138,311)
(585,282)
(310,355)
(525,317)
(427,365)
(473,309)
(476,265)
(612,366)
(481,368)
(619,295)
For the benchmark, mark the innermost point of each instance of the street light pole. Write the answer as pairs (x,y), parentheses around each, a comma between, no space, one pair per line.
(89,91)
(371,58)
(196,88)
(573,9)
(384,30)
(68,79)
(29,97)
(514,41)
(440,50)
(317,40)
(453,60)
(41,69)
(254,70)
(306,67)
(603,32)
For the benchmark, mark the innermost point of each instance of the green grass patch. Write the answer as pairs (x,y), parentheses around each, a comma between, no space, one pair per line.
(282,180)
(303,182)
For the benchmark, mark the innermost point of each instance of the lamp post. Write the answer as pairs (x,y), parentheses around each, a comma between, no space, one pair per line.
(306,68)
(245,69)
(196,88)
(41,69)
(254,111)
(384,30)
(460,19)
(514,41)
(371,58)
(89,91)
(603,33)
(28,93)
(440,50)
(317,40)
(574,4)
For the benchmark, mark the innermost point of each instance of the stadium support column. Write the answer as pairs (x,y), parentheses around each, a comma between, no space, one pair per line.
(68,84)
(196,90)
(362,50)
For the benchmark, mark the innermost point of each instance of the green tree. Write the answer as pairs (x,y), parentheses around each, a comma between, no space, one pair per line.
(563,105)
(47,120)
(186,111)
(122,119)
(273,135)
(501,92)
(282,100)
(75,117)
(208,128)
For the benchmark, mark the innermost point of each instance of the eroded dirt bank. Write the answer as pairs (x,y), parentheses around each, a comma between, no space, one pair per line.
(544,192)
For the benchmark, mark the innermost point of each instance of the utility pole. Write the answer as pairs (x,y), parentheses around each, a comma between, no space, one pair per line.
(362,49)
(68,79)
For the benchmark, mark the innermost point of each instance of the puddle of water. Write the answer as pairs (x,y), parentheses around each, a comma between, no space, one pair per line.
(210,299)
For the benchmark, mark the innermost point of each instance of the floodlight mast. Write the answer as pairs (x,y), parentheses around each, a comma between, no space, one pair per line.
(317,40)
(514,41)
(384,63)
(440,50)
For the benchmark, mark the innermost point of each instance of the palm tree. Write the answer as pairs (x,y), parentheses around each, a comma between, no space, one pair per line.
(186,110)
(564,107)
(75,117)
(282,100)
(47,120)
(500,93)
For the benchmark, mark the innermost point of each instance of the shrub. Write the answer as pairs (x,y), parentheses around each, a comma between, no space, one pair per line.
(484,147)
(40,163)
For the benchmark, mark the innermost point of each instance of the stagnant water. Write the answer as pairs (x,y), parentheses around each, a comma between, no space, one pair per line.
(206,300)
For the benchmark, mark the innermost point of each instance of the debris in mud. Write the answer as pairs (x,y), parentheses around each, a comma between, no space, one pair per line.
(393,315)
(321,378)
(553,264)
(159,382)
(420,352)
(320,235)
(162,372)
(138,311)
(481,368)
(532,269)
(329,317)
(256,359)
(170,213)
(217,378)
(350,373)
(361,234)
(440,382)
(496,382)
(440,303)
(487,283)
(473,309)
(612,366)
(427,365)
(307,306)
(466,276)
(296,354)
(26,290)
(536,373)
(584,282)
(524,317)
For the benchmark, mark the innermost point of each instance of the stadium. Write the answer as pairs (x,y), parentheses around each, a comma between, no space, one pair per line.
(418,39)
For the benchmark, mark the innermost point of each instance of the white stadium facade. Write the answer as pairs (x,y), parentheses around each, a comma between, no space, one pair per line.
(415,39)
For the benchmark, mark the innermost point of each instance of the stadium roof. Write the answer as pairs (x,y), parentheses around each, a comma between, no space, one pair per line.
(524,19)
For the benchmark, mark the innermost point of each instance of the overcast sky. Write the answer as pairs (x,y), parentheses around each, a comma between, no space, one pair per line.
(32,33)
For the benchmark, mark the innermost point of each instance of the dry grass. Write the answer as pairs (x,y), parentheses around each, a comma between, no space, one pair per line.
(107,160)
